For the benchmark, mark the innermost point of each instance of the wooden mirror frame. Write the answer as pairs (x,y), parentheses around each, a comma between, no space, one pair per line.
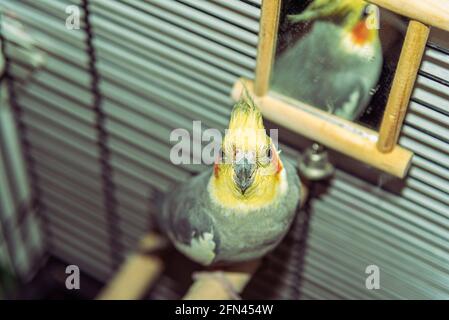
(376,148)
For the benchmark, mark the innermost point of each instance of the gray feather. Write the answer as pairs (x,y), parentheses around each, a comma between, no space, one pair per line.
(317,71)
(189,216)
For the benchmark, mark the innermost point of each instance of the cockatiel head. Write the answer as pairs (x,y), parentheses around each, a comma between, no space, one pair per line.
(358,18)
(248,171)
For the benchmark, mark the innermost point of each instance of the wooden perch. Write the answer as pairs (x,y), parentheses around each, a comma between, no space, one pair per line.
(403,84)
(138,273)
(267,43)
(221,284)
(430,12)
(336,133)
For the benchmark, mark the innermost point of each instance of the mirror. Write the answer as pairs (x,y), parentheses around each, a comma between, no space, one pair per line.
(338,56)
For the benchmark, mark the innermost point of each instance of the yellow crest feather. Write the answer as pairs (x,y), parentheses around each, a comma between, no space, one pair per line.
(246,130)
(246,114)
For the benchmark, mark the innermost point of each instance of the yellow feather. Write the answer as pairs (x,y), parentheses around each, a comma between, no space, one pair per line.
(246,130)
(264,191)
(247,134)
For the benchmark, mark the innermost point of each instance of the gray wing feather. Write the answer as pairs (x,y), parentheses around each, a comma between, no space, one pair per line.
(185,218)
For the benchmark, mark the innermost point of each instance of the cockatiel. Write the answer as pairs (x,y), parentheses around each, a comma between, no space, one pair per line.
(242,207)
(336,66)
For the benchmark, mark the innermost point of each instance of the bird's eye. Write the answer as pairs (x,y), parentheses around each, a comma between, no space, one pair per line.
(222,154)
(269,153)
(266,158)
(366,12)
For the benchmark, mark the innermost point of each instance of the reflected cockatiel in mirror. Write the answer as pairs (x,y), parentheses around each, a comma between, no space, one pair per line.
(242,207)
(336,66)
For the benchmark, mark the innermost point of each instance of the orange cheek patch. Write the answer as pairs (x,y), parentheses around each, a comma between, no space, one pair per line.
(279,167)
(360,33)
(275,161)
(216,170)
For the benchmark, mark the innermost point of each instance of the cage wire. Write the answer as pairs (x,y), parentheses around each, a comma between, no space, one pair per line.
(162,289)
(25,208)
(108,187)
(444,82)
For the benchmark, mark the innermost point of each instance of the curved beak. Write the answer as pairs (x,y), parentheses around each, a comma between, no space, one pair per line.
(244,173)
